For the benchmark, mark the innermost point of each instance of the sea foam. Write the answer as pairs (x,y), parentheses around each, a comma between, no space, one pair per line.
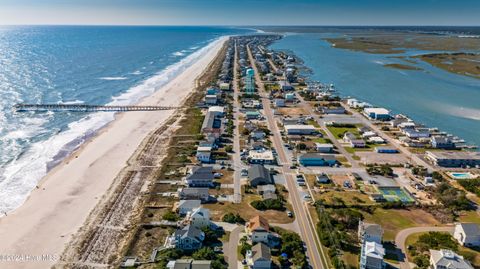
(22,174)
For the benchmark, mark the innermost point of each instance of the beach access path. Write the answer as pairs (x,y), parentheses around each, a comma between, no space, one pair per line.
(56,210)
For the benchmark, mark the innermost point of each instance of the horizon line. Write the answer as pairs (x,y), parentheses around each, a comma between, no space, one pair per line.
(239,25)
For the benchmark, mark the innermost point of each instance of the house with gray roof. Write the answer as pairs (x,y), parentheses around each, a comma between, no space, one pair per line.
(194,194)
(447,259)
(185,206)
(370,232)
(467,234)
(259,257)
(189,264)
(189,238)
(200,176)
(259,175)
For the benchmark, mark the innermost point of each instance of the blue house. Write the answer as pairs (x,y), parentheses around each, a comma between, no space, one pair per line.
(317,159)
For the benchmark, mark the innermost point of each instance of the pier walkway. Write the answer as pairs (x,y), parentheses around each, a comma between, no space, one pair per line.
(86,108)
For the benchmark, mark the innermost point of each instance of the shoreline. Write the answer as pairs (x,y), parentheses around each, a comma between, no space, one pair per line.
(53,213)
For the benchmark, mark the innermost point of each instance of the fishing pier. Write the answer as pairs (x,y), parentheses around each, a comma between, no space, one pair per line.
(85,108)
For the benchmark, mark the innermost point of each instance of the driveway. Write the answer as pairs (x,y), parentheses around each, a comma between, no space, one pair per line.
(401,238)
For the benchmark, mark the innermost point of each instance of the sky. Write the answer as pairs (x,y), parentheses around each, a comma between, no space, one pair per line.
(240,12)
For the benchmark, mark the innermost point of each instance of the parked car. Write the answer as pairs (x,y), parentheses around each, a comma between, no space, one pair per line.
(289,214)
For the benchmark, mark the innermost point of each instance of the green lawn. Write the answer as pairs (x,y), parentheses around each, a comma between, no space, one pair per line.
(339,131)
(322,140)
(394,220)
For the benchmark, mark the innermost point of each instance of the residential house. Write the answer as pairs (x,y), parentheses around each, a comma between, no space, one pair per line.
(204,154)
(259,257)
(194,194)
(447,259)
(199,218)
(217,111)
(332,110)
(322,178)
(376,140)
(324,147)
(189,264)
(442,142)
(268,188)
(257,135)
(259,175)
(200,176)
(225,86)
(279,102)
(185,206)
(353,140)
(253,115)
(370,232)
(454,158)
(371,256)
(189,238)
(299,129)
(262,156)
(386,150)
(317,159)
(211,99)
(467,234)
(258,229)
(372,252)
(416,133)
(377,113)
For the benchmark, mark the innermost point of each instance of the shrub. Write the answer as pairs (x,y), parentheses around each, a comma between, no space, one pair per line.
(170,216)
(233,218)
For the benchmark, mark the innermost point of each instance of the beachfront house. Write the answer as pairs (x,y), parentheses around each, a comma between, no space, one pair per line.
(188,238)
(447,259)
(259,175)
(200,176)
(217,111)
(204,154)
(185,206)
(199,218)
(194,194)
(189,264)
(317,159)
(259,257)
(467,234)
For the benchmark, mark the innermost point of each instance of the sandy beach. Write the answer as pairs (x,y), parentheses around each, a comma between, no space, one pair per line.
(55,211)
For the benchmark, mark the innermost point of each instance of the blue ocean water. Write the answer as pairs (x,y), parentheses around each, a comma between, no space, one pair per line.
(78,64)
(433,96)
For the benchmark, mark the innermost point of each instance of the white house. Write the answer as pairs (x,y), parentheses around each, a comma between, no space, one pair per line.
(372,256)
(299,129)
(258,229)
(467,234)
(185,206)
(377,113)
(204,154)
(370,232)
(324,148)
(199,217)
(447,259)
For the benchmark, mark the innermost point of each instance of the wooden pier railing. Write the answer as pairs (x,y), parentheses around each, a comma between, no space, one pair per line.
(85,108)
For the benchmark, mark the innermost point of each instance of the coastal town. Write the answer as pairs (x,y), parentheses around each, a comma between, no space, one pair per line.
(270,170)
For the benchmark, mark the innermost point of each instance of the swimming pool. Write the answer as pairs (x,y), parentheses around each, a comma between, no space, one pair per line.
(461,175)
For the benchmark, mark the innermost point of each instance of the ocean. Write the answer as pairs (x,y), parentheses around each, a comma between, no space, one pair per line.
(433,97)
(84,65)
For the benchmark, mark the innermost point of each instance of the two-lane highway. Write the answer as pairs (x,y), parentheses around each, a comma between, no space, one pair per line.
(307,229)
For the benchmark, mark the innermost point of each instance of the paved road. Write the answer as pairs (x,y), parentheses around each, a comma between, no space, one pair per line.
(396,143)
(237,162)
(231,252)
(401,238)
(307,229)
(308,108)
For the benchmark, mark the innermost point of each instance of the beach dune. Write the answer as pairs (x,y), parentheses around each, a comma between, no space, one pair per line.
(35,234)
